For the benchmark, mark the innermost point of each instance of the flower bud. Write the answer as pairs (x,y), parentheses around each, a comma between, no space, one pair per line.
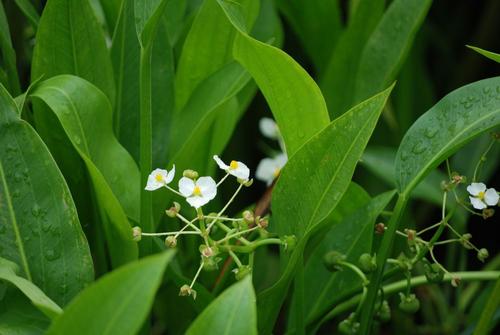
(171,242)
(242,271)
(488,213)
(367,263)
(206,251)
(333,260)
(210,263)
(191,174)
(411,234)
(404,263)
(433,273)
(174,210)
(289,242)
(409,303)
(464,240)
(482,254)
(263,223)
(379,228)
(456,178)
(384,313)
(446,186)
(136,233)
(246,183)
(187,291)
(455,281)
(349,326)
(248,217)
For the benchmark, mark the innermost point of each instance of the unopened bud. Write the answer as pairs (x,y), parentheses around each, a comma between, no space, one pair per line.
(456,178)
(187,291)
(384,313)
(246,183)
(191,174)
(482,254)
(404,263)
(136,233)
(488,213)
(380,228)
(248,217)
(409,303)
(207,251)
(455,281)
(367,263)
(174,210)
(433,273)
(263,223)
(446,186)
(464,240)
(333,260)
(242,272)
(411,234)
(289,242)
(349,326)
(171,242)
(210,263)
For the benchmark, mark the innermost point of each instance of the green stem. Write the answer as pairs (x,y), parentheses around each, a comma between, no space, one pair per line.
(298,294)
(146,155)
(228,237)
(415,281)
(382,255)
(251,247)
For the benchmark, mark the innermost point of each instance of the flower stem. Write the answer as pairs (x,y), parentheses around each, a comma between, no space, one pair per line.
(225,207)
(243,232)
(251,247)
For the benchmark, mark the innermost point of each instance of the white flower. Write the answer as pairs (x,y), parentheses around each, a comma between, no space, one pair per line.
(269,128)
(269,168)
(198,192)
(481,197)
(159,178)
(237,169)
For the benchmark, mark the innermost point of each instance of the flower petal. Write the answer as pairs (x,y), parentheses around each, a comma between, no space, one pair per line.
(268,128)
(281,160)
(476,188)
(477,203)
(241,172)
(153,183)
(197,201)
(208,187)
(170,175)
(491,197)
(186,186)
(265,170)
(220,163)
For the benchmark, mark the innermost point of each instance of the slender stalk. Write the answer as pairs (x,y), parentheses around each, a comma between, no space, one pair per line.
(228,237)
(176,233)
(146,138)
(251,247)
(225,207)
(298,294)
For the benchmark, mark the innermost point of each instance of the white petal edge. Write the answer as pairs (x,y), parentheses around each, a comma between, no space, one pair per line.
(476,203)
(265,170)
(208,187)
(491,197)
(197,201)
(475,188)
(220,163)
(186,186)
(268,127)
(170,175)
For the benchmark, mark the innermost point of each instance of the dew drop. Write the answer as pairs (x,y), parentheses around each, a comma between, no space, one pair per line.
(51,254)
(36,211)
(418,148)
(78,140)
(431,132)
(46,225)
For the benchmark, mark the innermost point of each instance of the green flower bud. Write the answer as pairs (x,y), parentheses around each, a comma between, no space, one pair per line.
(191,174)
(367,263)
(171,242)
(174,210)
(210,263)
(207,251)
(411,234)
(263,223)
(384,313)
(246,183)
(455,281)
(464,240)
(136,233)
(404,263)
(482,254)
(433,273)
(333,260)
(349,326)
(187,291)
(409,303)
(488,213)
(242,271)
(248,217)
(289,242)
(379,228)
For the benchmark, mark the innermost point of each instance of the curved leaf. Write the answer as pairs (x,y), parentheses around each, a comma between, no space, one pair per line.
(39,227)
(386,49)
(85,115)
(453,121)
(233,312)
(147,16)
(488,54)
(8,53)
(311,185)
(118,303)
(37,297)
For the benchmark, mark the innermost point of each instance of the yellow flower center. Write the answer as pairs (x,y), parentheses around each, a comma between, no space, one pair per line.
(481,195)
(197,190)
(159,177)
(276,173)
(233,165)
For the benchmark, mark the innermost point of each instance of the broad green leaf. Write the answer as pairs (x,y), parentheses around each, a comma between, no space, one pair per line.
(125,53)
(452,122)
(339,80)
(27,8)
(118,303)
(19,317)
(294,97)
(488,54)
(233,312)
(352,236)
(317,24)
(202,56)
(386,49)
(39,227)
(85,115)
(8,54)
(21,99)
(69,40)
(148,14)
(380,161)
(37,297)
(311,185)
